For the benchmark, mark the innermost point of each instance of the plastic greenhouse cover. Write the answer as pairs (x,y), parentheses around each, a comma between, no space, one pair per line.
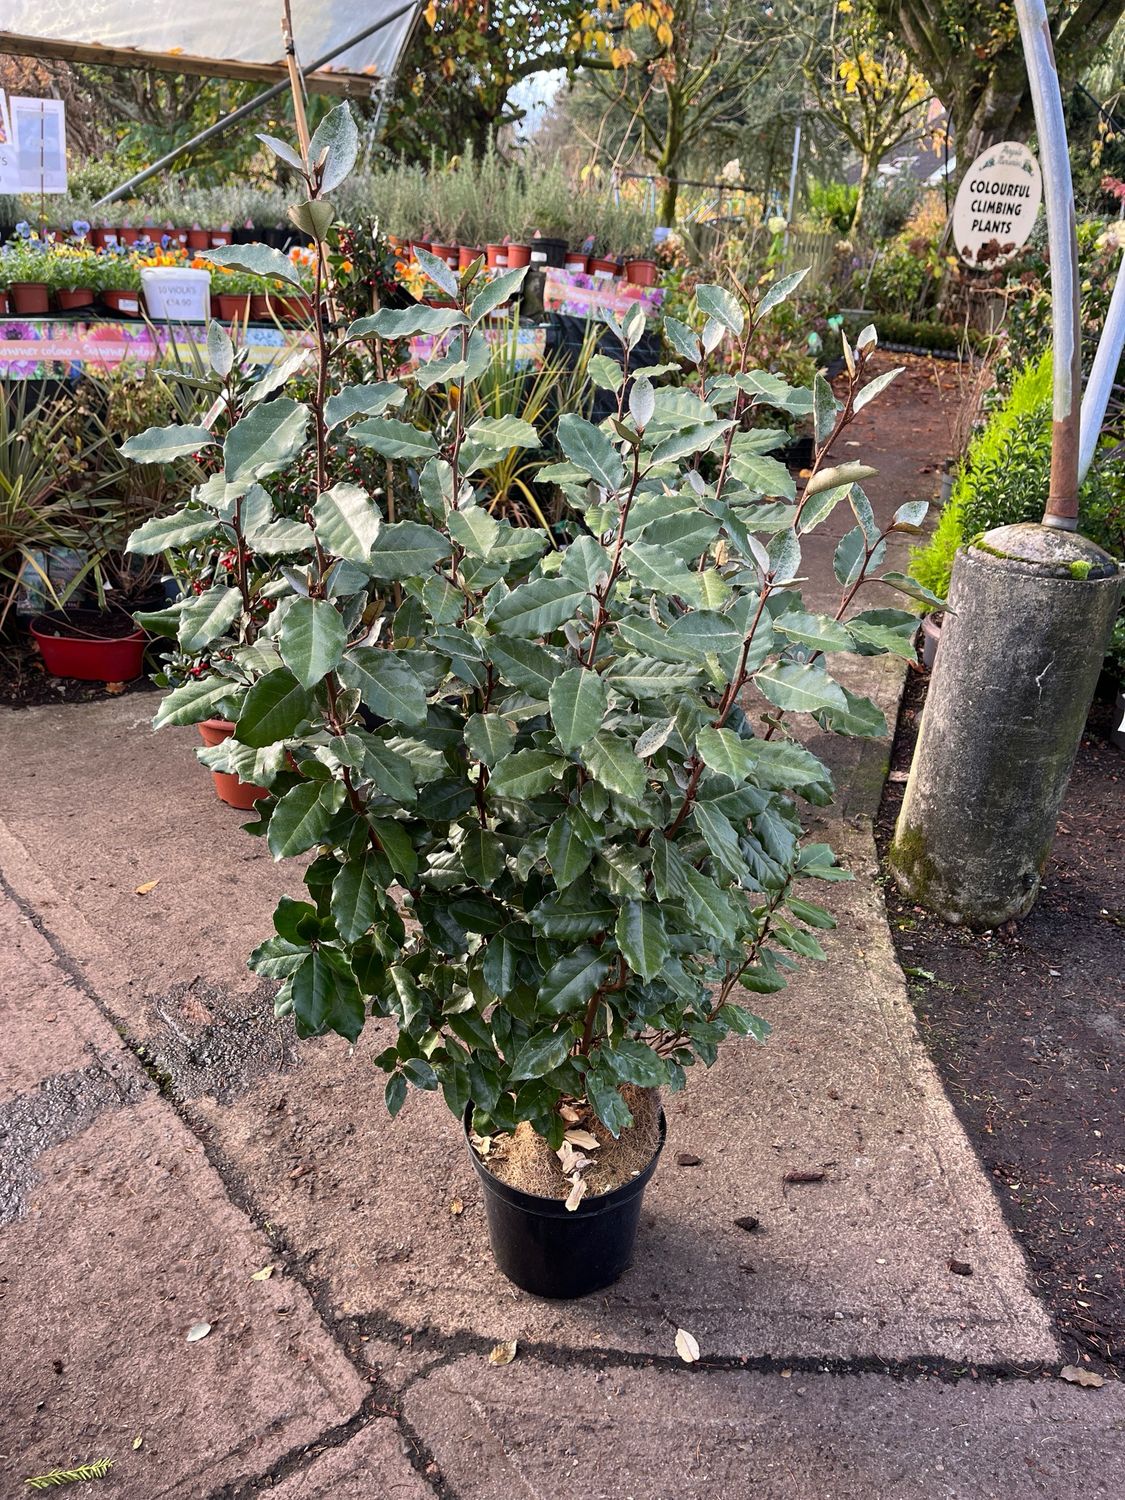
(248,31)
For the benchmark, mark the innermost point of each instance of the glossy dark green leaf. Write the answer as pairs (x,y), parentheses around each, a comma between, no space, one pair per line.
(275,707)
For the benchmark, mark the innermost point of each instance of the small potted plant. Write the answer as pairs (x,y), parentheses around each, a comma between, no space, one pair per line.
(640,268)
(25,271)
(121,283)
(548,844)
(75,276)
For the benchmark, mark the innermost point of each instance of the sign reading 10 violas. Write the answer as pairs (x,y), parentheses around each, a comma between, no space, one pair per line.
(996,205)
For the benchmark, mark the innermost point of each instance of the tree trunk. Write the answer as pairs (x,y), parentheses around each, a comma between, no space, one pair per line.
(669,194)
(865,169)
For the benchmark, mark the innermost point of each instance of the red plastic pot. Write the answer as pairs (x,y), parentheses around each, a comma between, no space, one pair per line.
(30,299)
(199,239)
(127,235)
(295,309)
(102,238)
(3,303)
(260,308)
(127,303)
(233,305)
(497,257)
(416,245)
(466,254)
(80,297)
(641,272)
(91,658)
(576,264)
(177,237)
(602,266)
(447,253)
(229,788)
(519,255)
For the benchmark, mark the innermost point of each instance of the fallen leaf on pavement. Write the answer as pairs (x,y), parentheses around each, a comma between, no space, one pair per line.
(800,1174)
(686,1347)
(264,1274)
(503,1354)
(1078,1376)
(137,1441)
(149,885)
(456,1208)
(198,1331)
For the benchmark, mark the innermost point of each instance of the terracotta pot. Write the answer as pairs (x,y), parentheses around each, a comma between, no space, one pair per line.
(103,238)
(90,658)
(295,309)
(576,263)
(177,237)
(260,306)
(30,299)
(416,245)
(602,266)
(80,297)
(233,305)
(3,303)
(519,255)
(216,310)
(229,788)
(447,253)
(497,257)
(219,238)
(199,239)
(641,272)
(127,236)
(126,303)
(466,254)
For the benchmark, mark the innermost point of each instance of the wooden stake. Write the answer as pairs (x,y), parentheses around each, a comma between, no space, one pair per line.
(296,81)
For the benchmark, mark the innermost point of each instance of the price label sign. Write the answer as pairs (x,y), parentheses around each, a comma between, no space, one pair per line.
(997,204)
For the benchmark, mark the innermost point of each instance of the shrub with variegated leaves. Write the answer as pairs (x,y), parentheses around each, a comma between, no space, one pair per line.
(545,835)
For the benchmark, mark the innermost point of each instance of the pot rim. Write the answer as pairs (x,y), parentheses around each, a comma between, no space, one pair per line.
(82,638)
(555,1208)
(225,724)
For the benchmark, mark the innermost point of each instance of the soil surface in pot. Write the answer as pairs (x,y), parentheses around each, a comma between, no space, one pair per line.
(86,624)
(1025,1026)
(26,683)
(525,1161)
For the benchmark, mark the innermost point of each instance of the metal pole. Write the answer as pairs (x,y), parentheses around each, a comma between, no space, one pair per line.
(1062,497)
(793,181)
(1096,396)
(251,105)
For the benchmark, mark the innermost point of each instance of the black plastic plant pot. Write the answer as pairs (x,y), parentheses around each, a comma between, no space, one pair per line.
(553,1251)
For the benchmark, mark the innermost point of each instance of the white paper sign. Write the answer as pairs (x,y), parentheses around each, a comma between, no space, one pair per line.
(40,130)
(997,204)
(9,160)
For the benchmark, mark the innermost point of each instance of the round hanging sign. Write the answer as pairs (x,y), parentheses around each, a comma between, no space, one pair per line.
(996,205)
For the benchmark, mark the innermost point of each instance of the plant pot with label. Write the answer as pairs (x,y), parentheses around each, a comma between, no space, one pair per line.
(126,303)
(604,267)
(641,272)
(89,644)
(519,255)
(447,253)
(577,262)
(497,257)
(198,239)
(78,297)
(229,788)
(466,254)
(127,235)
(547,251)
(30,299)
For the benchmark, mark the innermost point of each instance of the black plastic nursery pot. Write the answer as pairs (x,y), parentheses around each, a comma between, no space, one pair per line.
(553,1251)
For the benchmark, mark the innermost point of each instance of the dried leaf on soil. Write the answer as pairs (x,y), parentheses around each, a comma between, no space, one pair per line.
(1076,1375)
(584,1139)
(578,1186)
(502,1354)
(198,1331)
(264,1274)
(149,885)
(686,1347)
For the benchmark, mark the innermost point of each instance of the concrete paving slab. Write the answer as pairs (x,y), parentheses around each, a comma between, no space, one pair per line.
(536,1430)
(371,1465)
(855,1265)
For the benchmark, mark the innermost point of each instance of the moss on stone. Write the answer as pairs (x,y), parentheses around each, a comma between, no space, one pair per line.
(911,861)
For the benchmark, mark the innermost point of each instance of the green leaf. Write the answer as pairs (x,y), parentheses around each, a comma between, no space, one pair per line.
(610,760)
(482,856)
(355,898)
(815,631)
(302,816)
(875,387)
(392,773)
(401,323)
(605,1100)
(913,589)
(799,688)
(642,677)
(832,477)
(579,701)
(850,553)
(635,1063)
(577,913)
(386,684)
(683,340)
(275,707)
(856,716)
(160,445)
(407,549)
(194,701)
(220,350)
(501,433)
(334,147)
(207,616)
(394,439)
(164,532)
(720,838)
(589,448)
(567,853)
(442,276)
(780,289)
(456,367)
(570,982)
(397,846)
(474,530)
(825,408)
(347,522)
(496,292)
(541,1054)
(538,607)
(605,373)
(663,573)
(259,260)
(878,630)
(524,665)
(642,938)
(489,738)
(362,401)
(265,440)
(700,439)
(326,999)
(312,639)
(763,474)
(721,305)
(526,773)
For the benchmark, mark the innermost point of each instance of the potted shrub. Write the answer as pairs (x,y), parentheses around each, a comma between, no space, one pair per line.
(25,271)
(549,845)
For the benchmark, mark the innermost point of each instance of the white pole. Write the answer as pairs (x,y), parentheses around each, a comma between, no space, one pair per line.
(793,181)
(1100,384)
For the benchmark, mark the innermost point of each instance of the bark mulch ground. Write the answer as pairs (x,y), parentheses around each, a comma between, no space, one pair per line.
(1026,1025)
